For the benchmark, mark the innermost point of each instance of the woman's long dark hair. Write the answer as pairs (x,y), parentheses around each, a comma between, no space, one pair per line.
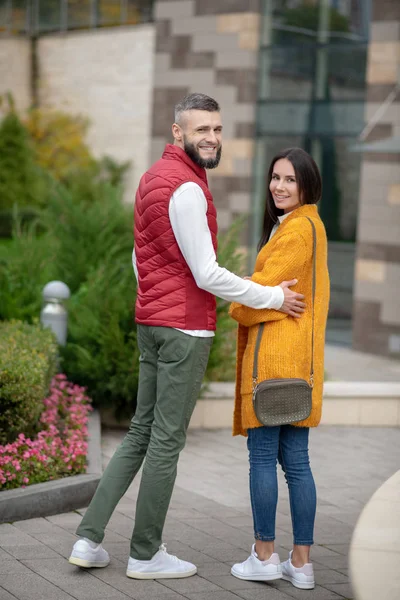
(308,180)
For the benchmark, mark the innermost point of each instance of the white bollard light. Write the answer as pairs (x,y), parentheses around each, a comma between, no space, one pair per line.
(54,314)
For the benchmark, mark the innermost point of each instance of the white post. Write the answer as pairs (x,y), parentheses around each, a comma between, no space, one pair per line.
(54,314)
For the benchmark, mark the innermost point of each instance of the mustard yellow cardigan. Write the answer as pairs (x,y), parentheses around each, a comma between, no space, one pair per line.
(285,349)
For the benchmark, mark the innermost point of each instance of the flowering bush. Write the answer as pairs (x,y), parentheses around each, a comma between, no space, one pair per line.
(59,449)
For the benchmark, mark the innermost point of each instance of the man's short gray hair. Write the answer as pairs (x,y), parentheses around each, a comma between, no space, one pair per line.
(195,102)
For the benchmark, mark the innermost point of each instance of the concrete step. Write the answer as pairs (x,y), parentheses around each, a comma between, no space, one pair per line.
(345,403)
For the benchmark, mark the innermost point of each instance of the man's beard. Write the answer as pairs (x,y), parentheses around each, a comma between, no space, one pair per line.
(205,163)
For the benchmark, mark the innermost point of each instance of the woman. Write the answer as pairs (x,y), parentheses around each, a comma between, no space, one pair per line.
(285,252)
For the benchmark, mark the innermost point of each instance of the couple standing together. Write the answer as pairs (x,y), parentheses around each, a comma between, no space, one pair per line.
(178,276)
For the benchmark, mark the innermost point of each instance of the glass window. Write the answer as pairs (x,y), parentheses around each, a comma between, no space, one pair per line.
(79,14)
(49,15)
(312,88)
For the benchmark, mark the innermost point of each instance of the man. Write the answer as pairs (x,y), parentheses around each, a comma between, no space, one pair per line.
(178,277)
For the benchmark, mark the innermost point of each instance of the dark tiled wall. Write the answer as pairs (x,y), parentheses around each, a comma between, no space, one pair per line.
(211,46)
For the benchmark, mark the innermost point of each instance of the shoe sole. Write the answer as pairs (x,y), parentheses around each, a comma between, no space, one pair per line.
(86,564)
(271,577)
(301,585)
(138,575)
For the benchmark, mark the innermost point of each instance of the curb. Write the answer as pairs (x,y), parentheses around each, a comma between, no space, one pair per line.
(346,403)
(380,522)
(61,495)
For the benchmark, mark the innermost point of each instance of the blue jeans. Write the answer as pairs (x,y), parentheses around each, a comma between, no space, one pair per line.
(288,445)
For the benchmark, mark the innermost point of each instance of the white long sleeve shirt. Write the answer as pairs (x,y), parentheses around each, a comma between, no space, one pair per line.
(188,216)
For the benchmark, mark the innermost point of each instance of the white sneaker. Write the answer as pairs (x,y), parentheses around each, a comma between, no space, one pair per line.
(255,569)
(161,566)
(300,577)
(86,555)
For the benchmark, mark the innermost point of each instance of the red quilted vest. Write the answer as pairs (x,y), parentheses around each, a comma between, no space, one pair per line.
(167,292)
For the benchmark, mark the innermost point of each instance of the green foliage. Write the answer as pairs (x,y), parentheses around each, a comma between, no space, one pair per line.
(101,352)
(221,365)
(28,356)
(58,140)
(87,243)
(21,180)
(25,267)
(84,236)
(48,146)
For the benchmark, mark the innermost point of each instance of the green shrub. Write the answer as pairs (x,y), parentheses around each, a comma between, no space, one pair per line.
(222,362)
(102,352)
(84,236)
(88,245)
(21,179)
(28,356)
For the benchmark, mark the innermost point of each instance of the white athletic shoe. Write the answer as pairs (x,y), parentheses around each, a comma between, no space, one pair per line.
(88,555)
(161,566)
(255,569)
(300,577)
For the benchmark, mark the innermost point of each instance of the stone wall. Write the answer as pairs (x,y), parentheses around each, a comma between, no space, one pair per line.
(377,271)
(15,65)
(211,46)
(106,74)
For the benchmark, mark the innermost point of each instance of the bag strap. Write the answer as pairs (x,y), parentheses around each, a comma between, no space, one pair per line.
(261,326)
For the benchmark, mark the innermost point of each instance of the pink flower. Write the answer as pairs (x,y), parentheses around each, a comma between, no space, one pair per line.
(60,446)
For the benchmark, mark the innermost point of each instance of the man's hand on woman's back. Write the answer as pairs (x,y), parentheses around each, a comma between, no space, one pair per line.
(293,304)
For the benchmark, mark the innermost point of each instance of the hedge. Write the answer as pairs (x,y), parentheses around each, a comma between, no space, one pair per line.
(28,361)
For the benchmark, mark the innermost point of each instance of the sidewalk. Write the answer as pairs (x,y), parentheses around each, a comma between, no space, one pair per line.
(208,523)
(346,364)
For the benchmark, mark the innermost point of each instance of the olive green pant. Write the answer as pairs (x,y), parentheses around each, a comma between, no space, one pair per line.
(172,366)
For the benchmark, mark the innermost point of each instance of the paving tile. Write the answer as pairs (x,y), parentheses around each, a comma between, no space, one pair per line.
(25,551)
(210,524)
(68,521)
(121,524)
(32,587)
(12,566)
(70,578)
(228,582)
(118,550)
(6,528)
(318,551)
(344,589)
(61,545)
(4,595)
(211,569)
(112,536)
(220,595)
(318,593)
(230,554)
(265,592)
(59,534)
(185,552)
(115,576)
(39,525)
(190,585)
(240,521)
(338,548)
(11,536)
(338,562)
(330,576)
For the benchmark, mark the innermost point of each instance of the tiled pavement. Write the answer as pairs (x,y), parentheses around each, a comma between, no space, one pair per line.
(209,523)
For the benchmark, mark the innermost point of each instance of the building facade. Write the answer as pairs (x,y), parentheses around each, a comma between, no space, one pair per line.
(320,74)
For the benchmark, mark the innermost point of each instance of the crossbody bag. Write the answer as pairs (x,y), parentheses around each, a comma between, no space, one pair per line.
(285,401)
